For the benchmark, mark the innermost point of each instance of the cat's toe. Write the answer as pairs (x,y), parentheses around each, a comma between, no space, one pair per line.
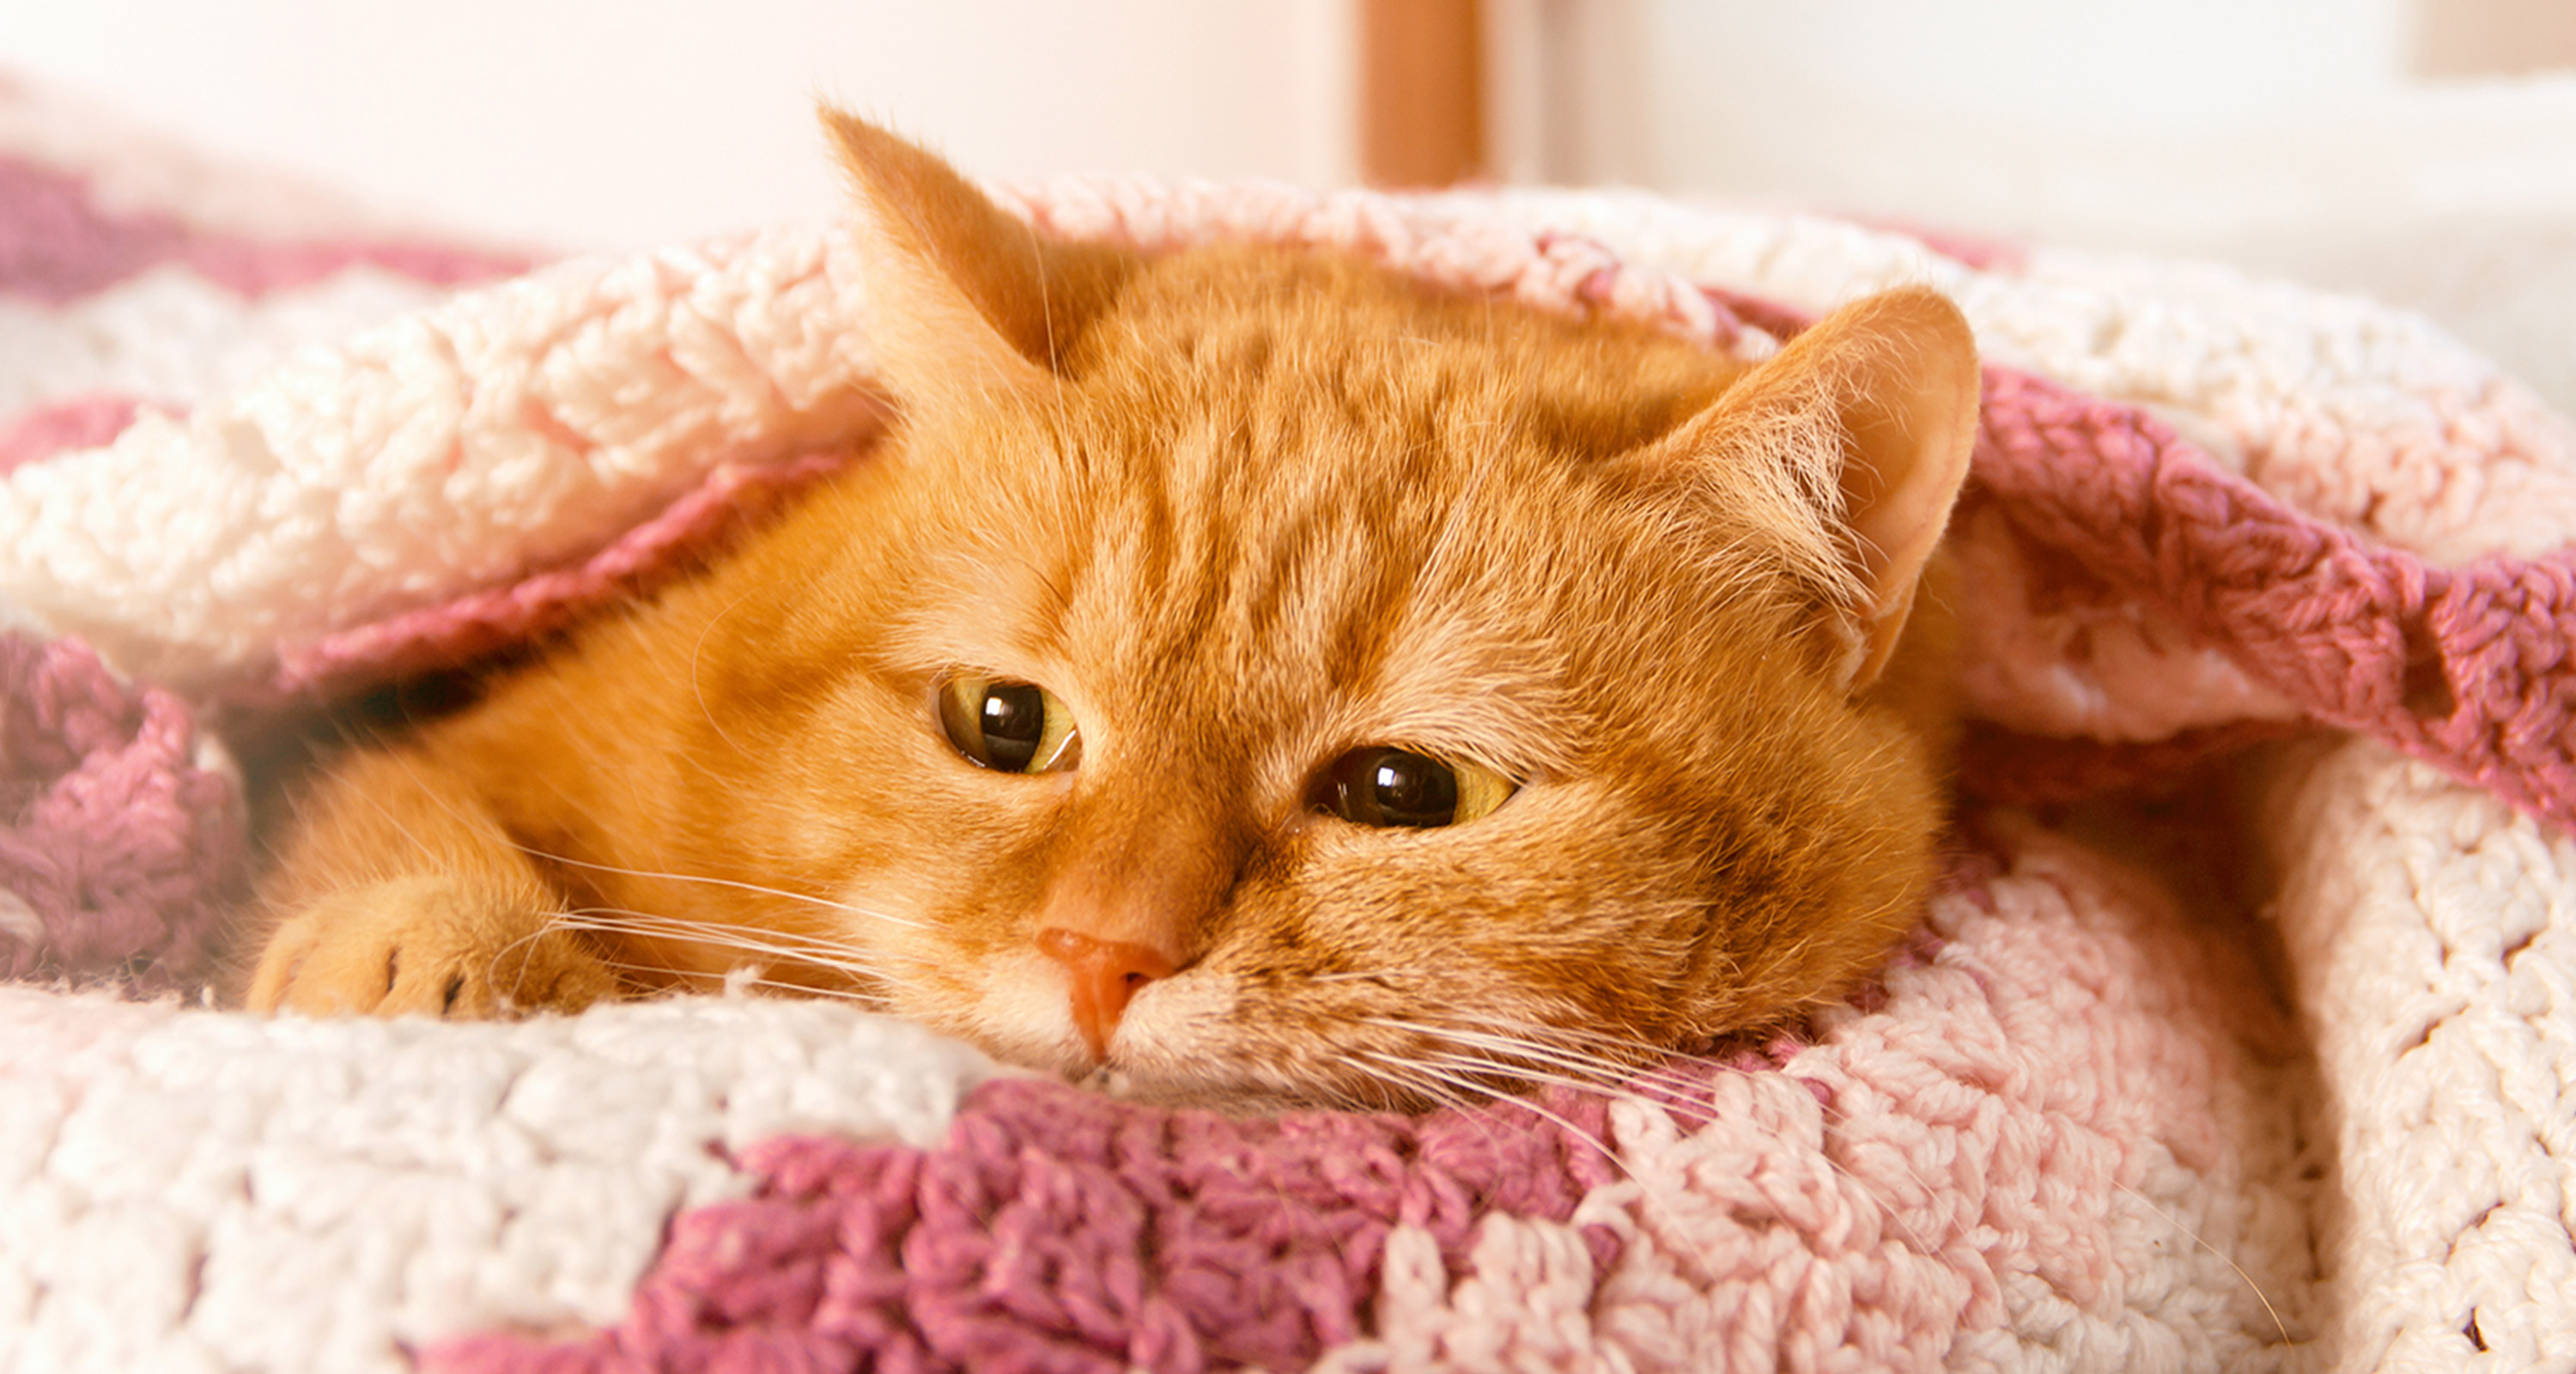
(424,947)
(301,970)
(539,971)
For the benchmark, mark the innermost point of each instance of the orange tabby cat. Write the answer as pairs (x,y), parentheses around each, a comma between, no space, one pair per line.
(1250,672)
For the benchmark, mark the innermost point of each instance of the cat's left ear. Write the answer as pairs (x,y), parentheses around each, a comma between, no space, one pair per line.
(966,304)
(1851,444)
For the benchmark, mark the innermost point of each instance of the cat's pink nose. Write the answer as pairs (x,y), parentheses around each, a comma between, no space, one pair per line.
(1105,974)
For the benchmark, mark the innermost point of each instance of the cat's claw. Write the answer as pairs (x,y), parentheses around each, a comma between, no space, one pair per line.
(424,946)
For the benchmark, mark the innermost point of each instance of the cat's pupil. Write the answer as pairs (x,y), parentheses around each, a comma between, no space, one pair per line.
(1394,787)
(1007,726)
(1013,717)
(1413,790)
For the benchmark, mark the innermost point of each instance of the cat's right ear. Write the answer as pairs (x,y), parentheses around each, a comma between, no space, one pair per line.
(966,304)
(1845,452)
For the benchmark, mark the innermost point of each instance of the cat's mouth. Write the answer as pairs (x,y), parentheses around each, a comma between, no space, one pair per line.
(1200,1047)
(1183,1041)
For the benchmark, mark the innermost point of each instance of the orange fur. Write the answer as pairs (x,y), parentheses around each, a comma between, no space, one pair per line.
(1243,510)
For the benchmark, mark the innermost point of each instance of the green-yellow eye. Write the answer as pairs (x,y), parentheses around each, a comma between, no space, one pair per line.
(1397,787)
(1009,727)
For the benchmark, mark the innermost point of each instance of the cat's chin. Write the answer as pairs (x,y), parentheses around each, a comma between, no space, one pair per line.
(1148,1087)
(1233,1099)
(1206,1083)
(1156,1092)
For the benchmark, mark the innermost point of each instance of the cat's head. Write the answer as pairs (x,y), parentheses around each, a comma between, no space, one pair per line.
(1273,678)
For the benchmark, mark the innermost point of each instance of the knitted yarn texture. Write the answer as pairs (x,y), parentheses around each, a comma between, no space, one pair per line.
(255,451)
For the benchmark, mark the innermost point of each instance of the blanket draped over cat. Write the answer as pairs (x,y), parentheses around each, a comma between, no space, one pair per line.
(2095,1112)
(1240,673)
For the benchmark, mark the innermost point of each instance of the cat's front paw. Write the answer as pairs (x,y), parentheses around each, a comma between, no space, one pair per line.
(434,946)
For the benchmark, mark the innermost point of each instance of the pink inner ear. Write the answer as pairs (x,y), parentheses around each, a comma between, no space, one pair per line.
(1908,455)
(1906,366)
(1848,447)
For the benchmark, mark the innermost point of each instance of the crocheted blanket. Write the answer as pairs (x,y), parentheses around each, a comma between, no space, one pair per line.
(2266,1066)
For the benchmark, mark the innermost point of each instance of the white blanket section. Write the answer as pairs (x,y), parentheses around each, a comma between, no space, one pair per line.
(2431,937)
(186,1190)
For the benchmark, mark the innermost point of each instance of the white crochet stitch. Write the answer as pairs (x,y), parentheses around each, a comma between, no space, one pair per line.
(446,450)
(186,1190)
(2431,937)
(170,336)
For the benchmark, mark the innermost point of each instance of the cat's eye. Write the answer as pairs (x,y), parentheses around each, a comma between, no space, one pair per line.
(1009,727)
(1398,787)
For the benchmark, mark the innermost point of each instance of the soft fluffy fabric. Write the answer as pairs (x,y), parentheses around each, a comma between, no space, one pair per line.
(2094,1116)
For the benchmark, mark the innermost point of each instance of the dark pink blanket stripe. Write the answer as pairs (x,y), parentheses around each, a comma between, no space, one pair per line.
(79,422)
(112,839)
(57,245)
(2466,668)
(1059,1232)
(2013,769)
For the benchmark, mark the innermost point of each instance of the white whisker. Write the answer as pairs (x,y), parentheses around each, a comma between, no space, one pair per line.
(1499,1096)
(1521,1072)
(2176,1222)
(774,944)
(868,1000)
(469,821)
(1596,1072)
(1402,1076)
(720,929)
(1679,1083)
(698,651)
(824,902)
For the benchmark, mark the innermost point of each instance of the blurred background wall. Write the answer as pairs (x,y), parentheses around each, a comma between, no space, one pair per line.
(2424,150)
(2420,151)
(617,123)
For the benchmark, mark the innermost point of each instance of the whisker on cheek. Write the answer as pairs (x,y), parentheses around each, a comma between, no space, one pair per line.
(1690,1080)
(1410,1084)
(809,899)
(1462,1083)
(736,980)
(1650,1193)
(1547,1062)
(770,945)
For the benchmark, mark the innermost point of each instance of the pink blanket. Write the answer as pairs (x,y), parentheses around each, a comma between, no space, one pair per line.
(2094,1115)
